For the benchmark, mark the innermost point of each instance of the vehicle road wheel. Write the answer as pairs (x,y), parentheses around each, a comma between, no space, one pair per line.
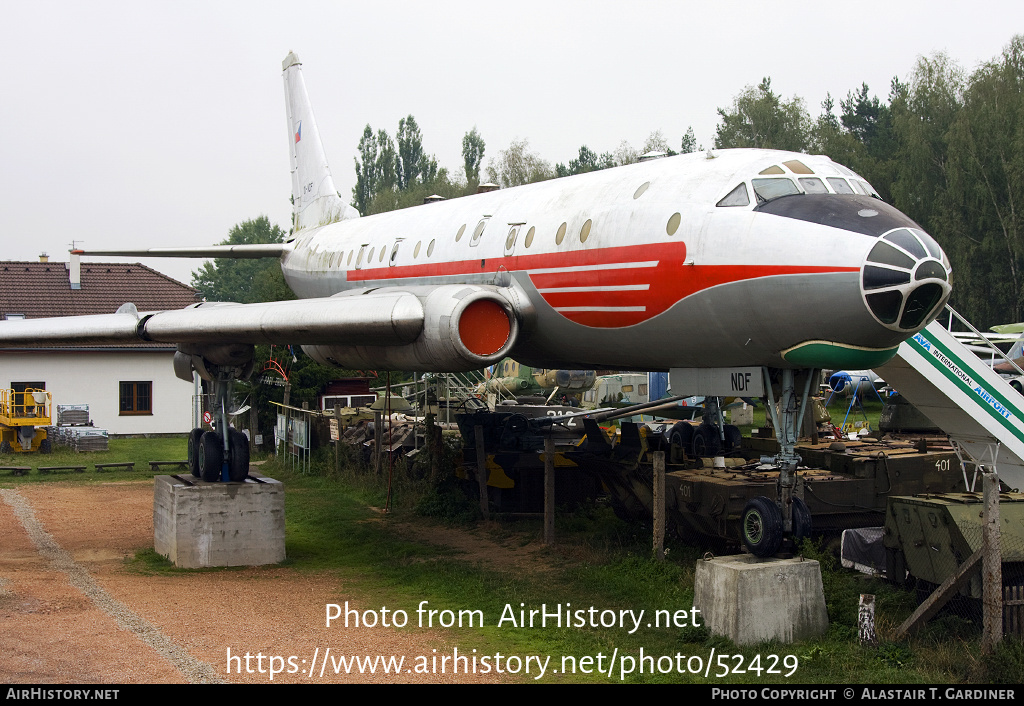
(762,526)
(45,447)
(801,520)
(681,435)
(706,441)
(5,447)
(238,466)
(733,438)
(211,456)
(193,451)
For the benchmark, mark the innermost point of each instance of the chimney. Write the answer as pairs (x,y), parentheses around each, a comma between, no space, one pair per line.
(43,257)
(75,269)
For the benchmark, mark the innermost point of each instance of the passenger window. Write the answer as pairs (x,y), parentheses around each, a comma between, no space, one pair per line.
(813,185)
(736,197)
(478,231)
(768,189)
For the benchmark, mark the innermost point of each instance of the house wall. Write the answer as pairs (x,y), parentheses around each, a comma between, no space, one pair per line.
(94,377)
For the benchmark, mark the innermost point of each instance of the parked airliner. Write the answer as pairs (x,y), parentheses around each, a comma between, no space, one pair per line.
(732,269)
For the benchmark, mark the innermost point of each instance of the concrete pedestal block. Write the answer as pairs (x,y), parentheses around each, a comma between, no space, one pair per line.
(750,600)
(198,524)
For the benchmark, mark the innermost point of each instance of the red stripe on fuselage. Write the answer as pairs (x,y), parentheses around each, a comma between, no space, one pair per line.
(669,281)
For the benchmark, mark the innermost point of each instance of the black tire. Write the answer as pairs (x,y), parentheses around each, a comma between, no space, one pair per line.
(706,441)
(762,526)
(238,465)
(801,520)
(733,438)
(45,446)
(211,456)
(5,447)
(681,435)
(193,451)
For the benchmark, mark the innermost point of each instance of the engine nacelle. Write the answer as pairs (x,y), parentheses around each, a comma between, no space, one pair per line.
(465,327)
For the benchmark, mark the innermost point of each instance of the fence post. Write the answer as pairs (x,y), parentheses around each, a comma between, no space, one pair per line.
(991,566)
(659,505)
(337,442)
(481,471)
(549,490)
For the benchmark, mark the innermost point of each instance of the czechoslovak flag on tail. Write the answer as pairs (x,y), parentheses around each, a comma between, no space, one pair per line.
(298,132)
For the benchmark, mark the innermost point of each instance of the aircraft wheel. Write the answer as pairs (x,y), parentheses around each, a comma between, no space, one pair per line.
(706,441)
(801,520)
(211,456)
(238,466)
(762,526)
(193,451)
(733,438)
(5,447)
(681,435)
(45,446)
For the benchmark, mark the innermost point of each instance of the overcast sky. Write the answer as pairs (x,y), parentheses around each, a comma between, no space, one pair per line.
(162,123)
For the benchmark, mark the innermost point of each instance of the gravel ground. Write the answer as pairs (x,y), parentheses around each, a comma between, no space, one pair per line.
(72,613)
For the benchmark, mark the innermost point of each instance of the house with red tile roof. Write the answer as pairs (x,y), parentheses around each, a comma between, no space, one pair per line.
(130,388)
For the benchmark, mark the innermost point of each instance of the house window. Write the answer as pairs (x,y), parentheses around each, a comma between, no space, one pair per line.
(136,398)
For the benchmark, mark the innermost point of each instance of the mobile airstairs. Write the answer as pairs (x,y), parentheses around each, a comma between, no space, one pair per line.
(982,414)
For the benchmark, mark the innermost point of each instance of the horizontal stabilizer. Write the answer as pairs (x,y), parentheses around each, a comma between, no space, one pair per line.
(230,252)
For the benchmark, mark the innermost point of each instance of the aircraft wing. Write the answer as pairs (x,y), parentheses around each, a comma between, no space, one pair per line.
(455,327)
(234,252)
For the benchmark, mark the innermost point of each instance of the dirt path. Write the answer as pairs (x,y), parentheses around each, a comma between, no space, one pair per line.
(72,612)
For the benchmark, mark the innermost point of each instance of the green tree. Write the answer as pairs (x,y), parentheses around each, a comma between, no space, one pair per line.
(413,163)
(689,142)
(366,171)
(979,210)
(244,281)
(827,136)
(586,161)
(387,163)
(760,118)
(472,155)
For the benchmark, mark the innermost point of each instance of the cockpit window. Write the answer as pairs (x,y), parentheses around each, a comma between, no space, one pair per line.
(774,169)
(813,185)
(868,189)
(840,185)
(768,189)
(798,167)
(736,197)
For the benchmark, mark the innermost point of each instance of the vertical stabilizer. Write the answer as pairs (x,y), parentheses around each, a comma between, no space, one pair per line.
(315,201)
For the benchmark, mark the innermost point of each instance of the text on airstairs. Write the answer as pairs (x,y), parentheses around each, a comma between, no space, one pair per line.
(955,369)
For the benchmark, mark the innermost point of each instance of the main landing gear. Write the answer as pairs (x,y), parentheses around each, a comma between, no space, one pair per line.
(220,454)
(766,522)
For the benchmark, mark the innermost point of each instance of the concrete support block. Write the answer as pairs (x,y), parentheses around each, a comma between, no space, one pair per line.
(750,600)
(198,524)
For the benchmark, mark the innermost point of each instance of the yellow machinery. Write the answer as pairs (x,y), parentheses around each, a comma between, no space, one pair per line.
(23,418)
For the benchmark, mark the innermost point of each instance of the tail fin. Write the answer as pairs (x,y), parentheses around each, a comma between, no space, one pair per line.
(315,201)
